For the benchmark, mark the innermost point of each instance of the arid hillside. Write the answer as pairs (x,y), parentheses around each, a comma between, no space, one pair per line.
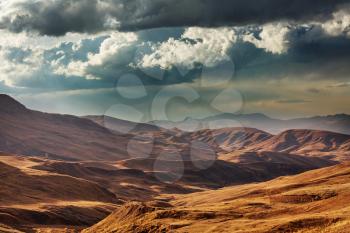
(28,132)
(311,202)
(31,198)
(305,142)
(147,151)
(69,173)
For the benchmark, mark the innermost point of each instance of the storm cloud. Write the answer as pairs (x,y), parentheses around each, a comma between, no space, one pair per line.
(58,17)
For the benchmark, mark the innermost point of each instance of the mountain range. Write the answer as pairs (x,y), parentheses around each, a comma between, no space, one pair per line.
(71,172)
(339,123)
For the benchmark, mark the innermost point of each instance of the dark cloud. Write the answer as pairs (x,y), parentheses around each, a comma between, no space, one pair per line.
(312,55)
(62,16)
(140,14)
(54,17)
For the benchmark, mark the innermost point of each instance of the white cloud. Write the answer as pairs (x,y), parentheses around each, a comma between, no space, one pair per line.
(197,45)
(74,68)
(273,38)
(340,84)
(106,57)
(339,25)
(12,70)
(32,41)
(117,50)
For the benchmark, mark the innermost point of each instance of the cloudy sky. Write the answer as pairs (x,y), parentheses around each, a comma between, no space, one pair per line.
(155,59)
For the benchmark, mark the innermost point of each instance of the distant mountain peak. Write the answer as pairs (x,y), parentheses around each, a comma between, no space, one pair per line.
(188,119)
(257,116)
(10,105)
(341,115)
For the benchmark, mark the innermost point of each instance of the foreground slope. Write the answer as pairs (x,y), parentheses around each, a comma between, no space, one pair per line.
(82,166)
(315,201)
(30,185)
(31,197)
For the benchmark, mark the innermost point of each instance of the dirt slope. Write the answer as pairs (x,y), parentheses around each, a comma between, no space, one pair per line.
(315,201)
(33,197)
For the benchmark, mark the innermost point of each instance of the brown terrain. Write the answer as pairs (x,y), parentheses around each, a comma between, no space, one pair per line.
(312,202)
(28,132)
(31,197)
(62,173)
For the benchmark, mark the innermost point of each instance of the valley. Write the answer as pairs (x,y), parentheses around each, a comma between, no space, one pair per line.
(62,173)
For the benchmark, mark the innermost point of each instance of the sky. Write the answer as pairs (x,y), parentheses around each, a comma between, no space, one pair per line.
(145,60)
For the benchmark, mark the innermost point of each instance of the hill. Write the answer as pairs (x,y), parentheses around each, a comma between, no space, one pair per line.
(324,144)
(28,132)
(96,167)
(311,202)
(315,143)
(31,197)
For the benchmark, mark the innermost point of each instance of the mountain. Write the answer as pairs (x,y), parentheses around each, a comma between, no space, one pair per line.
(122,126)
(10,105)
(336,123)
(305,141)
(74,171)
(229,141)
(312,143)
(72,138)
(339,123)
(230,138)
(311,202)
(28,132)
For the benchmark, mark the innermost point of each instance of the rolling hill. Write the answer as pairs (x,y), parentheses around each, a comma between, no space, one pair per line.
(311,202)
(306,141)
(71,172)
(29,197)
(324,144)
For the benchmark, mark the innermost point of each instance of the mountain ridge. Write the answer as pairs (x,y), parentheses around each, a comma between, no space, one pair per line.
(80,133)
(146,163)
(339,123)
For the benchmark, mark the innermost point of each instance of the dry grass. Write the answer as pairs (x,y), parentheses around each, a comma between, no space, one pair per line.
(315,201)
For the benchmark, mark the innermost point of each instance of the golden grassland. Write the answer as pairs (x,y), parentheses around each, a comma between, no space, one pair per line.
(316,201)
